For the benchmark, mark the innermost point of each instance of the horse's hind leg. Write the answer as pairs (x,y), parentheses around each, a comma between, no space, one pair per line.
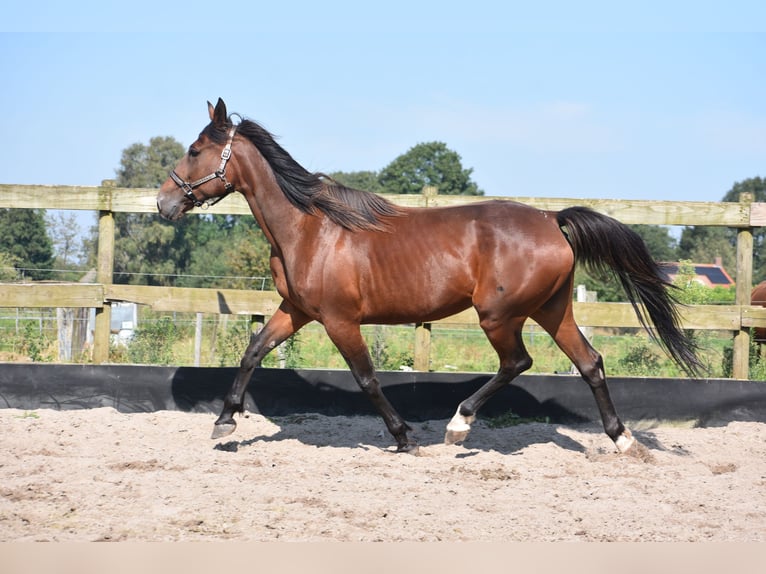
(588,361)
(282,324)
(514,359)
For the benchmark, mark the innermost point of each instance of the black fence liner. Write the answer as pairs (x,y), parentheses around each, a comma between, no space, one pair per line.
(417,396)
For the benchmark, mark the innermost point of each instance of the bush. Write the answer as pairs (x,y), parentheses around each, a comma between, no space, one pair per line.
(153,342)
(639,360)
(757,362)
(36,344)
(232,342)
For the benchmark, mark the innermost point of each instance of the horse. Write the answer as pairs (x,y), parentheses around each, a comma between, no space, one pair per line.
(345,257)
(758,297)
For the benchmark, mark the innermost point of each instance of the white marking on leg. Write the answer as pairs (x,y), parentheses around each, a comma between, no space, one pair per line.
(459,423)
(625,441)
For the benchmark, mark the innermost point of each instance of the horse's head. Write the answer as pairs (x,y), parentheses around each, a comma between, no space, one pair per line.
(200,177)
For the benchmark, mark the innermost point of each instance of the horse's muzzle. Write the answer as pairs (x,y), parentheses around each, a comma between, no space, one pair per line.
(170,210)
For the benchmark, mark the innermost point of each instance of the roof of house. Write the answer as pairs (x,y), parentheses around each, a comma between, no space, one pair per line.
(710,274)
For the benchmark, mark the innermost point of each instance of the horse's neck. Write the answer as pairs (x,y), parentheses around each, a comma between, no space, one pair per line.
(279,219)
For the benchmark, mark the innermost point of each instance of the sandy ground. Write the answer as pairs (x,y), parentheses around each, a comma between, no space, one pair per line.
(97,474)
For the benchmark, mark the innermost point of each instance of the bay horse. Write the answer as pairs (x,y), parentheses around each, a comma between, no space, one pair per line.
(345,257)
(758,297)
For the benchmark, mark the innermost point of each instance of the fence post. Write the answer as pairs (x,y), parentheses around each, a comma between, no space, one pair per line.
(741,351)
(256,323)
(104,272)
(422,360)
(198,341)
(428,192)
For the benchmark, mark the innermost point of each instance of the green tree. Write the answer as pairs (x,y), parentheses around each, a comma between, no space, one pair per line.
(196,251)
(366,180)
(9,267)
(65,232)
(757,187)
(703,244)
(428,164)
(149,250)
(24,238)
(229,251)
(148,165)
(661,245)
(248,255)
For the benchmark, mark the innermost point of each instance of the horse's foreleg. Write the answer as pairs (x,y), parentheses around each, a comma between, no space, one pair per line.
(349,341)
(282,324)
(514,359)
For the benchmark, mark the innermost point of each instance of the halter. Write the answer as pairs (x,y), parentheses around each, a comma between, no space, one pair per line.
(220,173)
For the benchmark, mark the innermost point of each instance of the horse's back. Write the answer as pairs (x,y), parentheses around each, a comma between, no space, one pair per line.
(436,261)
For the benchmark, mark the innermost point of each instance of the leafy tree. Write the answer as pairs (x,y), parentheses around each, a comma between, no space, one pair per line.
(702,244)
(366,180)
(248,255)
(428,164)
(64,231)
(148,166)
(691,292)
(196,251)
(228,252)
(25,239)
(9,267)
(149,250)
(756,186)
(661,245)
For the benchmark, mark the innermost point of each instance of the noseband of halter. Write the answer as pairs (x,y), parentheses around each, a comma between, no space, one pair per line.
(188,188)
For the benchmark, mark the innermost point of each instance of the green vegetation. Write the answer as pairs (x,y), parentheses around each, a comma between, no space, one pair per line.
(153,342)
(165,339)
(626,352)
(24,244)
(28,340)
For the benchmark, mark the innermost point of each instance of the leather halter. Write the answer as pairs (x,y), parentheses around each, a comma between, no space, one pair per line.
(188,188)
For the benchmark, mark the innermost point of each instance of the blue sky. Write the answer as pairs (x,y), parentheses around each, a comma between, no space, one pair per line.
(649,100)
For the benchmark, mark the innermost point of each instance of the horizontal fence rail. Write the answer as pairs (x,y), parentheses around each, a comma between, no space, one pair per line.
(108,199)
(265,303)
(743,214)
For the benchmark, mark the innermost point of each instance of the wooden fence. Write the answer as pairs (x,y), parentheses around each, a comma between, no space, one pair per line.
(108,199)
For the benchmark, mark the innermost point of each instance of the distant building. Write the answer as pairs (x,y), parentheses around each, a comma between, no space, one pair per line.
(708,274)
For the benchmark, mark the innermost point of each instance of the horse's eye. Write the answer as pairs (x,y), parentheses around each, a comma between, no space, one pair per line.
(193,152)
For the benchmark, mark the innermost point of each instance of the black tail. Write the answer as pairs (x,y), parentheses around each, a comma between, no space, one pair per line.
(603,243)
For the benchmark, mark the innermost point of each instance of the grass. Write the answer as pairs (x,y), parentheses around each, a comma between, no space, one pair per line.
(626,352)
(169,339)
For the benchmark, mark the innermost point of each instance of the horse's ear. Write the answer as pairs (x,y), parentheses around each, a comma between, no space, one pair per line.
(218,114)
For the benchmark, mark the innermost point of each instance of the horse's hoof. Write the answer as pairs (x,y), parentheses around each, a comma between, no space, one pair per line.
(221,430)
(458,428)
(410,448)
(634,449)
(625,441)
(454,437)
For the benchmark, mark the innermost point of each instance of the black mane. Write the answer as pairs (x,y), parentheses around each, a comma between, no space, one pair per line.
(350,208)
